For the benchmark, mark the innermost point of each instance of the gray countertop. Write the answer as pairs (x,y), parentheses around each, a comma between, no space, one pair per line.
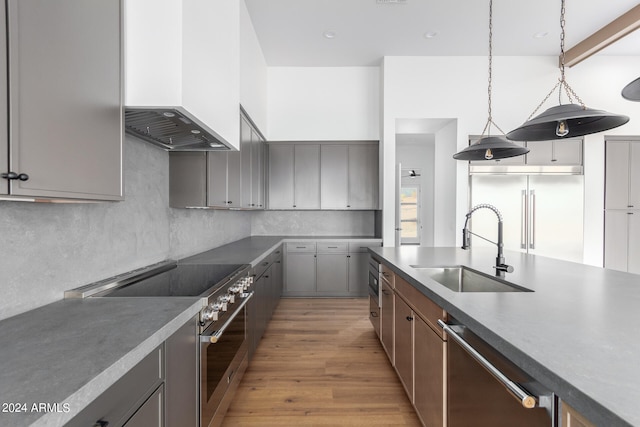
(574,333)
(252,250)
(69,352)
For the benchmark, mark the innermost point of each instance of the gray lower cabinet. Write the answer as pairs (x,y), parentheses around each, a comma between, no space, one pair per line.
(150,413)
(327,269)
(267,288)
(181,371)
(124,398)
(622,240)
(300,269)
(63,138)
(161,390)
(332,274)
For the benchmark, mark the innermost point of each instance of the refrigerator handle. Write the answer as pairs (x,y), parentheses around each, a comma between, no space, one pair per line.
(532,239)
(523,221)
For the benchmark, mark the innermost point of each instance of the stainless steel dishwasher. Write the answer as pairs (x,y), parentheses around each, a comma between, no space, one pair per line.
(486,389)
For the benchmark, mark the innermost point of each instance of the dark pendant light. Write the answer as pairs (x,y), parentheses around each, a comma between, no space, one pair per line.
(490,147)
(568,120)
(631,91)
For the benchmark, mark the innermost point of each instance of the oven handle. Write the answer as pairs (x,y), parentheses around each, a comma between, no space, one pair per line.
(216,336)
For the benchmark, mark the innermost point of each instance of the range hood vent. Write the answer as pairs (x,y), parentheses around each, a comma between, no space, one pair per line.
(173,129)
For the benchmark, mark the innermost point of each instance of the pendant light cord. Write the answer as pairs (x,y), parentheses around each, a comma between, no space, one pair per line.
(487,127)
(562,81)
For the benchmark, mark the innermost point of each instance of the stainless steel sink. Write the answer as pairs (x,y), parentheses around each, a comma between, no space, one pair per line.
(459,278)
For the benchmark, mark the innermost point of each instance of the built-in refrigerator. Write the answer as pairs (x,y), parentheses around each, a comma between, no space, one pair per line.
(542,214)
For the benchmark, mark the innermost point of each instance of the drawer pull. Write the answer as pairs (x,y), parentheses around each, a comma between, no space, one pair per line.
(374,314)
(409,318)
(101,423)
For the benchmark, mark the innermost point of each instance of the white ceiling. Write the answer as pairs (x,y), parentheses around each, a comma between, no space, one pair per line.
(291,31)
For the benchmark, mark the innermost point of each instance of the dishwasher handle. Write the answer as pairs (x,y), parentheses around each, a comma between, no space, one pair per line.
(526,399)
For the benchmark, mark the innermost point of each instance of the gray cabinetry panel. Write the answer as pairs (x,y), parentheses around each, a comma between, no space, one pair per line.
(561,152)
(363,177)
(217,179)
(245,160)
(187,179)
(234,179)
(634,175)
(307,177)
(182,377)
(617,175)
(300,274)
(334,164)
(281,160)
(66,99)
(122,399)
(257,171)
(358,273)
(633,237)
(150,413)
(332,274)
(615,240)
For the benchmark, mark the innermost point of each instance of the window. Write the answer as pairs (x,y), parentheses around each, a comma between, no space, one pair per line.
(409,214)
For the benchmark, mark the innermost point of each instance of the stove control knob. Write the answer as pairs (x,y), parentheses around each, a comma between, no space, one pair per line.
(209,313)
(223,301)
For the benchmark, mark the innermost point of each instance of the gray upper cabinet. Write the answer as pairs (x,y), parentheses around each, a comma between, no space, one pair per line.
(622,175)
(306,177)
(281,158)
(252,165)
(64,98)
(220,179)
(566,152)
(334,171)
(323,175)
(556,152)
(363,176)
(294,176)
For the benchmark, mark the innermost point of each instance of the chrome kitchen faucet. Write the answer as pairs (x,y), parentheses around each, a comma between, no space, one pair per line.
(501,267)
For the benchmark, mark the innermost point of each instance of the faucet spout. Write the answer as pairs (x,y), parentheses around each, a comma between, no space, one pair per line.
(501,267)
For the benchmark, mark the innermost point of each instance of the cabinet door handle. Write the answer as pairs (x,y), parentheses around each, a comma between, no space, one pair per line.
(409,318)
(374,314)
(101,423)
(13,175)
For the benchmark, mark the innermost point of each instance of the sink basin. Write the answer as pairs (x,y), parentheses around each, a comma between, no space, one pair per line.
(459,278)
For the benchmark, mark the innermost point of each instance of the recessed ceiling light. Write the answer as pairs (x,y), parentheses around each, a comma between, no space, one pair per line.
(329,34)
(430,34)
(541,35)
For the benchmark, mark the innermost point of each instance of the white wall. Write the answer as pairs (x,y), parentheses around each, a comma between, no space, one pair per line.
(455,87)
(316,103)
(253,72)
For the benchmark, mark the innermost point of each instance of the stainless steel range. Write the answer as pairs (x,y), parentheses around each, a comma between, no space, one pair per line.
(225,290)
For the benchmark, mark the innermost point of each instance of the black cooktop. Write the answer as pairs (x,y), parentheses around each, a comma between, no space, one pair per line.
(183,280)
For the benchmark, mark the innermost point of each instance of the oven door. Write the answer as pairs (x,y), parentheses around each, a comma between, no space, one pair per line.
(223,360)
(374,280)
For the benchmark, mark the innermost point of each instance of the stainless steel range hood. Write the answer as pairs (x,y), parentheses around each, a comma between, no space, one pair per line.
(172,128)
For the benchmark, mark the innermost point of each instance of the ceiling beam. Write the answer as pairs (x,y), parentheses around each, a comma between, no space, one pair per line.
(610,33)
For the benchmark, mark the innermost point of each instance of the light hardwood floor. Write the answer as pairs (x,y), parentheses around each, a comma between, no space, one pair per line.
(320,364)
